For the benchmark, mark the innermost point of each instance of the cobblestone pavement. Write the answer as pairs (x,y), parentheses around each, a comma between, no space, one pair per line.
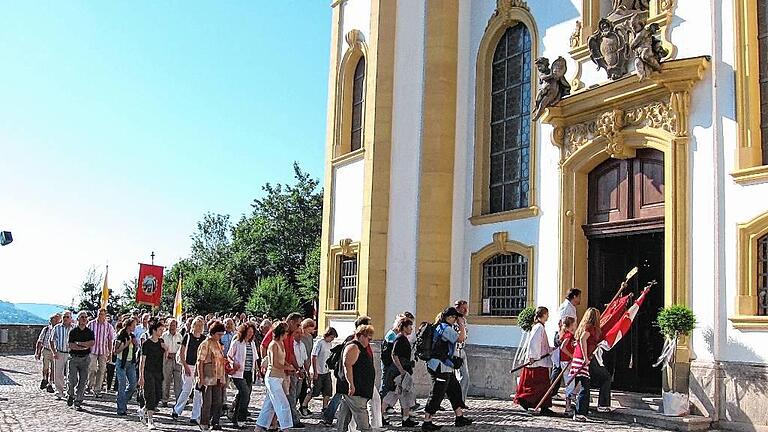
(23,407)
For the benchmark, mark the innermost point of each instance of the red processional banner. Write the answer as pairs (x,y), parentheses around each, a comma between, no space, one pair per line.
(150,284)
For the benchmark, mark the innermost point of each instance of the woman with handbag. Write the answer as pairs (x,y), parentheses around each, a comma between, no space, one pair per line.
(242,354)
(211,377)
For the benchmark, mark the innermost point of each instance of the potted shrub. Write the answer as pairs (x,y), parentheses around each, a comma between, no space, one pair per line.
(674,322)
(525,322)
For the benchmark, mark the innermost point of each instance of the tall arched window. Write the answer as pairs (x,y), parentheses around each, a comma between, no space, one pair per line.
(358,98)
(505,285)
(762,275)
(510,121)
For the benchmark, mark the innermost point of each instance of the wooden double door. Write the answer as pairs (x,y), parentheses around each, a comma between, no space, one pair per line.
(625,230)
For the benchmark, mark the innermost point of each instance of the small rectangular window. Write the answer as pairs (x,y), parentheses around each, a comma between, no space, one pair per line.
(505,285)
(348,283)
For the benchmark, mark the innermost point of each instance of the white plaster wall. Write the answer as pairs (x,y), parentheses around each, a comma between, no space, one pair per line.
(742,203)
(343,327)
(541,231)
(356,15)
(407,117)
(347,212)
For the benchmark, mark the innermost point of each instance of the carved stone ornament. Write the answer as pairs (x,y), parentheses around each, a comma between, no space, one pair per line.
(621,8)
(346,247)
(505,5)
(610,126)
(354,38)
(500,242)
(647,48)
(609,48)
(552,84)
(576,35)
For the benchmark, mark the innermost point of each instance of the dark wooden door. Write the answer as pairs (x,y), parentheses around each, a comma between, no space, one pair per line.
(625,229)
(610,258)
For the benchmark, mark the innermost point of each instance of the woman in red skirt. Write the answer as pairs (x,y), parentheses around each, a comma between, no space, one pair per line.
(534,380)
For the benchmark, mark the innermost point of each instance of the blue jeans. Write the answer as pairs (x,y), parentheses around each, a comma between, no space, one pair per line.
(330,412)
(125,372)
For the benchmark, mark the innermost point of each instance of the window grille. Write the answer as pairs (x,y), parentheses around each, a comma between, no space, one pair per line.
(762,275)
(505,285)
(348,283)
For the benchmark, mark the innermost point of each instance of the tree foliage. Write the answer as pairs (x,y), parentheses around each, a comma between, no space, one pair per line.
(90,295)
(309,276)
(207,290)
(273,297)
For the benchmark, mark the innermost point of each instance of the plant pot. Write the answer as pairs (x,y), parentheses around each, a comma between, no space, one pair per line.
(675,404)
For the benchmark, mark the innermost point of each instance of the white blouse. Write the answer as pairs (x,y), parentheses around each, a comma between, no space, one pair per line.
(538,346)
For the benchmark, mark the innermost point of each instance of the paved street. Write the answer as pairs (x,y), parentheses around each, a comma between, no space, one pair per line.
(23,407)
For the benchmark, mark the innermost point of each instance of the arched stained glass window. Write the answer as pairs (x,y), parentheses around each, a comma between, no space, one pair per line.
(510,121)
(358,99)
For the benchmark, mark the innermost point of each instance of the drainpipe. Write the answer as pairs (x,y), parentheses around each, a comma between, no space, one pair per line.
(716,15)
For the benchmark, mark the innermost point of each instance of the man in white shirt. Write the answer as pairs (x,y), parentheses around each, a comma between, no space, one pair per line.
(171,366)
(568,307)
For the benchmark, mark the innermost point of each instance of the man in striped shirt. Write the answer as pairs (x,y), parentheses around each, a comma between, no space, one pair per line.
(43,350)
(59,346)
(100,353)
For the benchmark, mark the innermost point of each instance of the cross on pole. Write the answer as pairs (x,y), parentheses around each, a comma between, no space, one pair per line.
(152,255)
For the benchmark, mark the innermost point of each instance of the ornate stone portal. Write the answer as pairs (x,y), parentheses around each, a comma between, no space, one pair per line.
(613,120)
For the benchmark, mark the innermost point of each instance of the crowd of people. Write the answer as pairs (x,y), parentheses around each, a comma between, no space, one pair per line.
(214,362)
(217,360)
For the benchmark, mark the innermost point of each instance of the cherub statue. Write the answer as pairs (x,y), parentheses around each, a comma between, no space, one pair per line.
(576,35)
(648,50)
(552,84)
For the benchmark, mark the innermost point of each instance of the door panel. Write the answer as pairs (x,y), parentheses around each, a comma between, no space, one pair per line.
(610,258)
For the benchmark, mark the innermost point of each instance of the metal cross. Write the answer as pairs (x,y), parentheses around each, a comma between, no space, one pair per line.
(152,255)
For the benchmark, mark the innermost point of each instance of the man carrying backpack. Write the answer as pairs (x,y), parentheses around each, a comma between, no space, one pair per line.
(436,344)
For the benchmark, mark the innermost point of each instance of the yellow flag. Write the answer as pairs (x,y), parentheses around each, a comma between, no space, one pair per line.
(177,302)
(105,291)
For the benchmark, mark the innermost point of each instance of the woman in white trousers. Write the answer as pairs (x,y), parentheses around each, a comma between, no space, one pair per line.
(191,343)
(276,402)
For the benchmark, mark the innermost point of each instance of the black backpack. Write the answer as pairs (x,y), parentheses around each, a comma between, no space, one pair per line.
(334,360)
(386,352)
(426,347)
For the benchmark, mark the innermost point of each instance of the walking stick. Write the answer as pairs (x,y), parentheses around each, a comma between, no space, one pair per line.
(552,387)
(530,362)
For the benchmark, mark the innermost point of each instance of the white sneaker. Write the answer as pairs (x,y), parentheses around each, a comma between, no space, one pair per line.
(579,418)
(140,413)
(604,409)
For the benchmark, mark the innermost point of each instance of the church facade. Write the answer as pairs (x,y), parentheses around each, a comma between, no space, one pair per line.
(504,151)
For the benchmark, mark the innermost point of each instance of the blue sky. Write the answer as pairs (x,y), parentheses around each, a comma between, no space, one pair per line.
(121,123)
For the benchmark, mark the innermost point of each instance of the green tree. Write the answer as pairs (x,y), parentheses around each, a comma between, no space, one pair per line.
(211,241)
(280,233)
(309,276)
(273,297)
(90,294)
(208,290)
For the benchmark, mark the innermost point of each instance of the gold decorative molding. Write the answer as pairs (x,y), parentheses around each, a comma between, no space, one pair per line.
(659,12)
(505,216)
(354,39)
(747,264)
(507,14)
(356,49)
(749,152)
(346,249)
(752,322)
(501,244)
(608,112)
(746,176)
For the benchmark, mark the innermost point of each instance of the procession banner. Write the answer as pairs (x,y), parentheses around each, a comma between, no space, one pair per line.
(105,291)
(177,313)
(150,284)
(615,334)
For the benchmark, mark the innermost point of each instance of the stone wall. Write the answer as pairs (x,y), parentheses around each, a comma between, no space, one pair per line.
(742,394)
(21,338)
